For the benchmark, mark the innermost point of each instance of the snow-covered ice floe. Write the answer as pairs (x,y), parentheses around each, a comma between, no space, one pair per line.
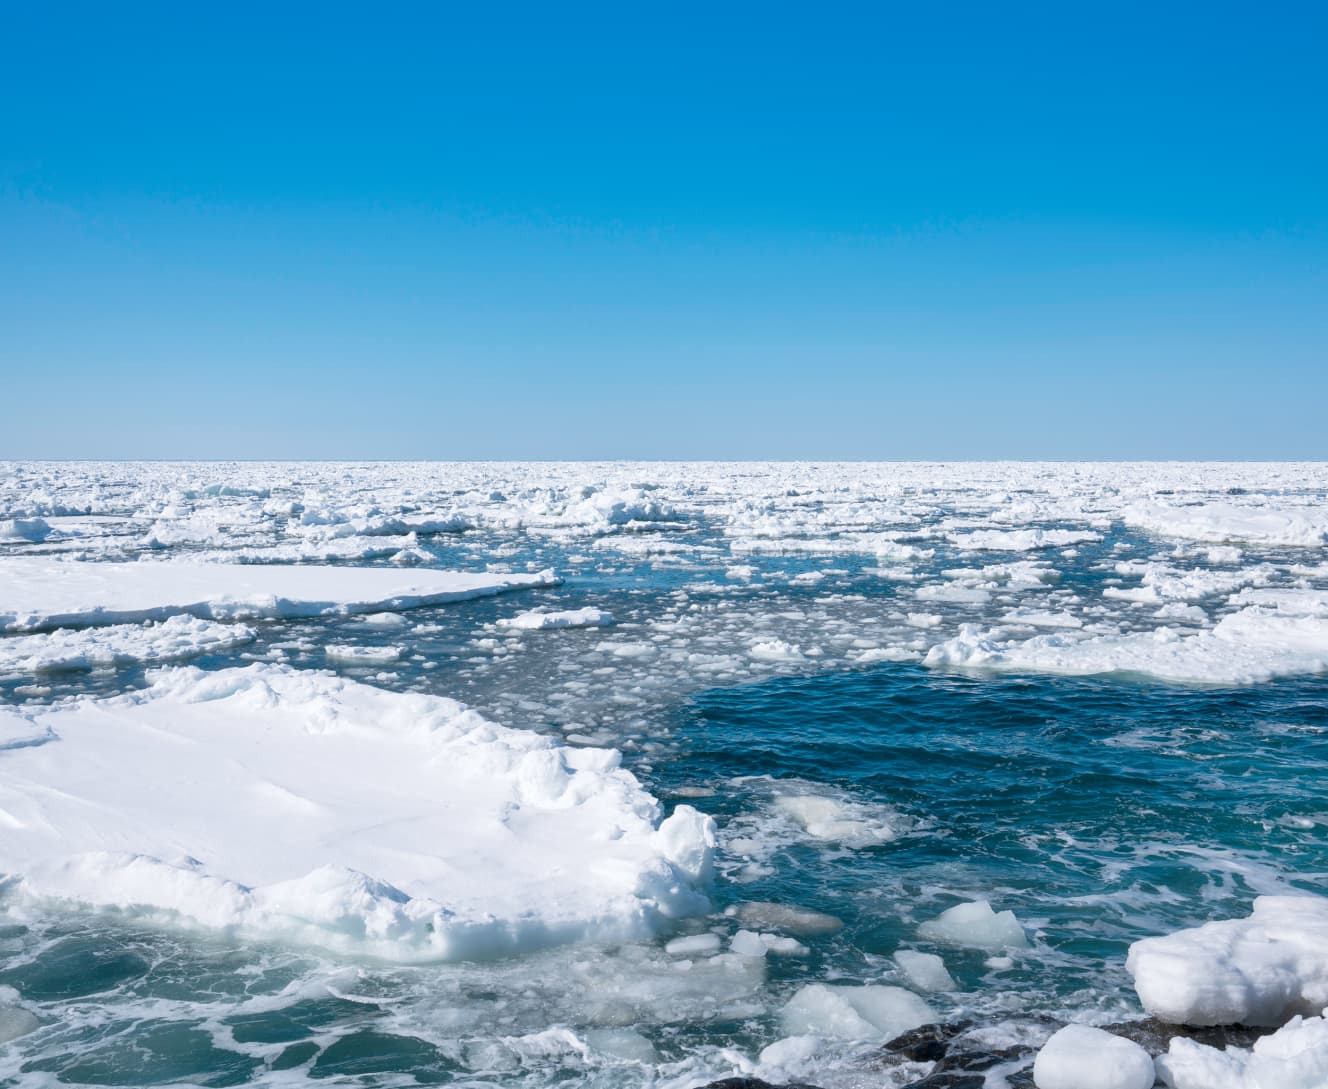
(1261,970)
(311,808)
(38,593)
(1277,634)
(1221,522)
(91,648)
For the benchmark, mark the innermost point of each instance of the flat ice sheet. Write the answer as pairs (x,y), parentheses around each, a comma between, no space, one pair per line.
(306,807)
(37,593)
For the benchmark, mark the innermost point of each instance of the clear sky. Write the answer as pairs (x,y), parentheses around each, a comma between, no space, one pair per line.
(923,230)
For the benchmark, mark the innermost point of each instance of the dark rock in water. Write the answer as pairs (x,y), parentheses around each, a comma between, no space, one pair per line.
(753,1083)
(961,1060)
(1155,1036)
(928,1043)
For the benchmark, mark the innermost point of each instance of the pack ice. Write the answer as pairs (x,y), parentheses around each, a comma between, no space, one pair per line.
(38,593)
(310,808)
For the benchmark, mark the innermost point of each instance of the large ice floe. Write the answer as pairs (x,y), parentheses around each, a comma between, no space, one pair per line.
(1269,525)
(1278,633)
(38,593)
(305,806)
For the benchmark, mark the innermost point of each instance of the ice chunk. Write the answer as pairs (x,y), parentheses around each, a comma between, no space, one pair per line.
(975,925)
(1080,1057)
(1021,540)
(539,620)
(925,971)
(693,945)
(777,650)
(1293,1057)
(357,655)
(854,1013)
(747,943)
(1260,970)
(32,530)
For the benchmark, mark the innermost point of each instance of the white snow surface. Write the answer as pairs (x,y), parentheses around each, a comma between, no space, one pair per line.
(175,638)
(1261,970)
(310,808)
(37,593)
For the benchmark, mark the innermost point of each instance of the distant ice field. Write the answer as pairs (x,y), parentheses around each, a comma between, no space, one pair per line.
(627,774)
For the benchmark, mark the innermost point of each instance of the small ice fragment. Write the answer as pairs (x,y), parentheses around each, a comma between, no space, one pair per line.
(977,926)
(540,620)
(925,971)
(854,1013)
(363,655)
(748,944)
(694,945)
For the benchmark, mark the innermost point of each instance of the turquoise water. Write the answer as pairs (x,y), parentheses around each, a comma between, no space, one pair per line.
(1098,811)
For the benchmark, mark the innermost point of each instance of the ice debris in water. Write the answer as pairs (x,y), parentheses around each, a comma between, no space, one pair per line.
(975,925)
(837,820)
(361,655)
(925,971)
(542,620)
(693,945)
(854,1013)
(761,914)
(1080,1057)
(1293,1057)
(1261,970)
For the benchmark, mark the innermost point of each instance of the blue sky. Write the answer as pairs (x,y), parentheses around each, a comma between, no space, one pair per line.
(491,231)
